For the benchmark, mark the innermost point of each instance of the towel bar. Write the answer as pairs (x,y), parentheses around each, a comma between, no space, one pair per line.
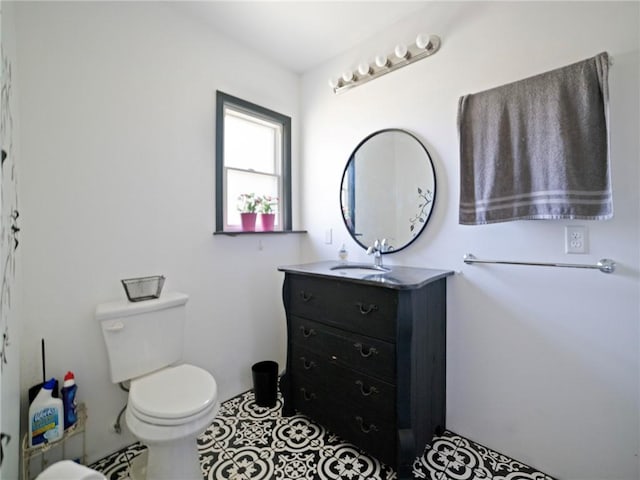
(605,265)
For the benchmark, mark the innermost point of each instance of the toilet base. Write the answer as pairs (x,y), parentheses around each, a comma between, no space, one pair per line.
(169,461)
(138,467)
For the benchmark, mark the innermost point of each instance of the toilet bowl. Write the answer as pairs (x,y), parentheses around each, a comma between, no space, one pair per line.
(170,402)
(69,470)
(166,411)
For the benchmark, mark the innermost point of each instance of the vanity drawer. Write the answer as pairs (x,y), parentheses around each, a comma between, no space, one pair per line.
(316,372)
(365,354)
(367,428)
(358,308)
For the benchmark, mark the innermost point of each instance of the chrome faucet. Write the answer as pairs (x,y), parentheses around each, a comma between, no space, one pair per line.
(377,249)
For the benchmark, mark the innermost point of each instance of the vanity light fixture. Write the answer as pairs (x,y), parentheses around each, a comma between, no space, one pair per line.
(424,46)
(382,61)
(423,41)
(348,76)
(364,69)
(334,83)
(401,51)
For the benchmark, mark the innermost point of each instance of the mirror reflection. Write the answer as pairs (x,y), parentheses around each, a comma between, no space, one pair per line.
(388,189)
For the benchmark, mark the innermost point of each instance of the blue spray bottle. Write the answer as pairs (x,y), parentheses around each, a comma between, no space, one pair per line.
(69,402)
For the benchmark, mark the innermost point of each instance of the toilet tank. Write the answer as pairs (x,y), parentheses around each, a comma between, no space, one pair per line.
(142,337)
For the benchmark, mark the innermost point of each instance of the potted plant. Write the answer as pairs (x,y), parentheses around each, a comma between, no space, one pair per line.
(247,204)
(266,206)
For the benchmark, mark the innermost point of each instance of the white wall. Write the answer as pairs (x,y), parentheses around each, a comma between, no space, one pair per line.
(10,255)
(542,364)
(118,102)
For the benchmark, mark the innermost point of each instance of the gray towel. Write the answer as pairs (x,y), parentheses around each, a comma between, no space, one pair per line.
(537,148)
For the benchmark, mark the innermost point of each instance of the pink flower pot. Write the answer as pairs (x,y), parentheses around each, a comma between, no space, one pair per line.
(248,222)
(267,220)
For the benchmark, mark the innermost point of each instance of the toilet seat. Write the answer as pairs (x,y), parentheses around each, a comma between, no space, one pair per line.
(173,396)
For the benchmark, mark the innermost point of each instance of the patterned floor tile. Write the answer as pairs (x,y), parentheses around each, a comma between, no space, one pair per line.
(116,466)
(372,469)
(253,433)
(497,465)
(344,464)
(465,464)
(243,464)
(211,453)
(433,463)
(296,465)
(298,434)
(249,442)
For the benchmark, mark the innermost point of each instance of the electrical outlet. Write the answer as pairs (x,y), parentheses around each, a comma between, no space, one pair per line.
(576,240)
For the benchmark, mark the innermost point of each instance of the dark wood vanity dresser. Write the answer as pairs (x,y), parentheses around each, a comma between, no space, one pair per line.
(366,355)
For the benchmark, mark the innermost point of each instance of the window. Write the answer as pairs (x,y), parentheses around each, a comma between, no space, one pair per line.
(253,155)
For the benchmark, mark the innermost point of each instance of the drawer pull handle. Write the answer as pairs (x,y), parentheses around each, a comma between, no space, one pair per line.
(307,396)
(366,429)
(364,350)
(369,391)
(334,358)
(307,333)
(308,365)
(305,296)
(365,310)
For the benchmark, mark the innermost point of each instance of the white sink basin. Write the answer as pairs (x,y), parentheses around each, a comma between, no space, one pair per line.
(359,269)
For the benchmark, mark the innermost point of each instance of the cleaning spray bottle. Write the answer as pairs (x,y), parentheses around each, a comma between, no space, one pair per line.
(69,389)
(46,417)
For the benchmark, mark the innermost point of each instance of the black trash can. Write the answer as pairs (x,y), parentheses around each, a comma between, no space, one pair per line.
(265,383)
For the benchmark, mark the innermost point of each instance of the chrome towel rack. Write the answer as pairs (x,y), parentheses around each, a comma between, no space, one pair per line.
(605,265)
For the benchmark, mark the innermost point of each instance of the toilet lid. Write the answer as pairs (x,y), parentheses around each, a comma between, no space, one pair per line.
(173,392)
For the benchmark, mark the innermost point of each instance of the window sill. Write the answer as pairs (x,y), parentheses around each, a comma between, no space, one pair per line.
(233,233)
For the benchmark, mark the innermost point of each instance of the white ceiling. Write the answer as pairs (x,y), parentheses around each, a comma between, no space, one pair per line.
(299,34)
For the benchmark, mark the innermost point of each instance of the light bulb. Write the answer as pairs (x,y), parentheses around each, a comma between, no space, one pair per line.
(423,41)
(334,83)
(382,61)
(364,68)
(347,76)
(401,51)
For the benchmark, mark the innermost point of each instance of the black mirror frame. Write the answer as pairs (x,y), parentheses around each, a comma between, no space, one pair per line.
(435,189)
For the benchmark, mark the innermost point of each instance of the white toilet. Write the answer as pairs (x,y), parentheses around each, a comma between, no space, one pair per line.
(170,403)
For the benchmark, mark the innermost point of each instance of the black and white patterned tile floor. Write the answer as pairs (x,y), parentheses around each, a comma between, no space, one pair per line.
(248,442)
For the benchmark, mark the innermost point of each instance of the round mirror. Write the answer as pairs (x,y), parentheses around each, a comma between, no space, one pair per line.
(388,189)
